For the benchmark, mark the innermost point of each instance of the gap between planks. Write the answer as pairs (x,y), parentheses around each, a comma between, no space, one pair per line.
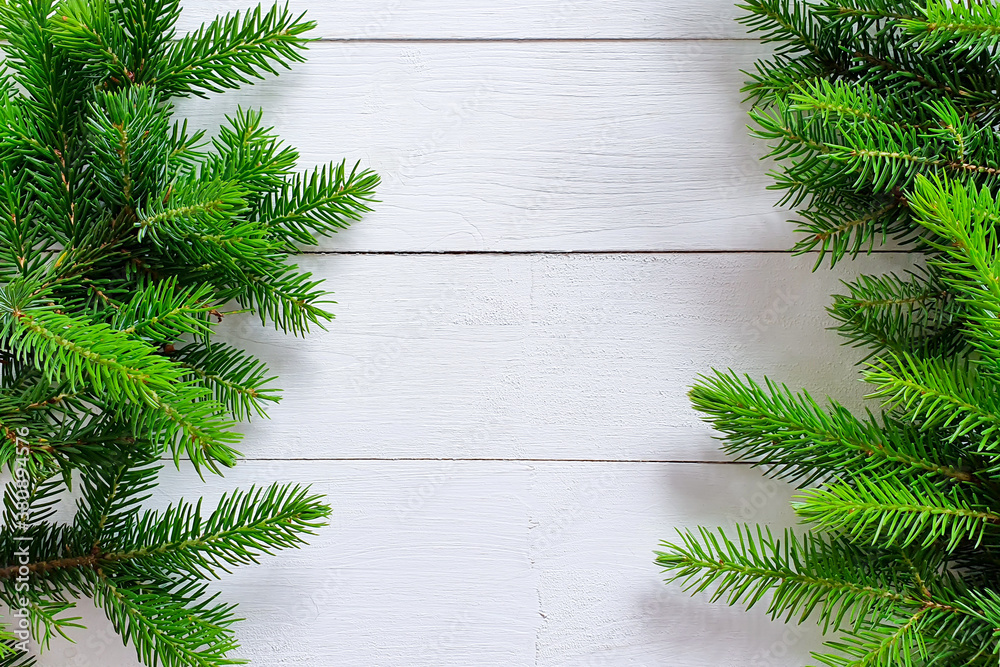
(375,459)
(586,252)
(520,40)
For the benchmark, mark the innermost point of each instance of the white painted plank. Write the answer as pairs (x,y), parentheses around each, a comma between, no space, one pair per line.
(540,146)
(604,607)
(542,356)
(500,564)
(485,19)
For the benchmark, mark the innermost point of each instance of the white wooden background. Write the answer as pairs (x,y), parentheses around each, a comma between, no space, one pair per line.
(574,224)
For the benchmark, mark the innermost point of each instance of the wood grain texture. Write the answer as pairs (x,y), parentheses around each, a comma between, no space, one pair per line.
(492,564)
(517,19)
(540,146)
(551,387)
(542,356)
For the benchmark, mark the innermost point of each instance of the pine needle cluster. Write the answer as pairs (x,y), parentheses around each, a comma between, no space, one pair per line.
(126,236)
(883,116)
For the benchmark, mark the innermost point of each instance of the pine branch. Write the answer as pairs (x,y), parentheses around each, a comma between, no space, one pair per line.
(318,203)
(170,623)
(290,299)
(85,29)
(839,583)
(939,393)
(888,644)
(965,219)
(202,223)
(886,511)
(250,154)
(795,439)
(150,25)
(888,314)
(844,228)
(237,380)
(788,23)
(125,373)
(841,102)
(883,117)
(124,564)
(233,50)
(870,12)
(161,313)
(122,236)
(773,80)
(128,138)
(244,525)
(967,29)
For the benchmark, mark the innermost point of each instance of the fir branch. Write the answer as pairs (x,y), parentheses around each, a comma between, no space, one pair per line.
(886,511)
(898,641)
(124,372)
(801,575)
(888,314)
(128,133)
(883,116)
(786,22)
(86,30)
(237,380)
(233,50)
(121,236)
(247,153)
(965,220)
(964,28)
(150,26)
(945,393)
(319,203)
(244,525)
(163,312)
(169,623)
(794,438)
(843,230)
(289,299)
